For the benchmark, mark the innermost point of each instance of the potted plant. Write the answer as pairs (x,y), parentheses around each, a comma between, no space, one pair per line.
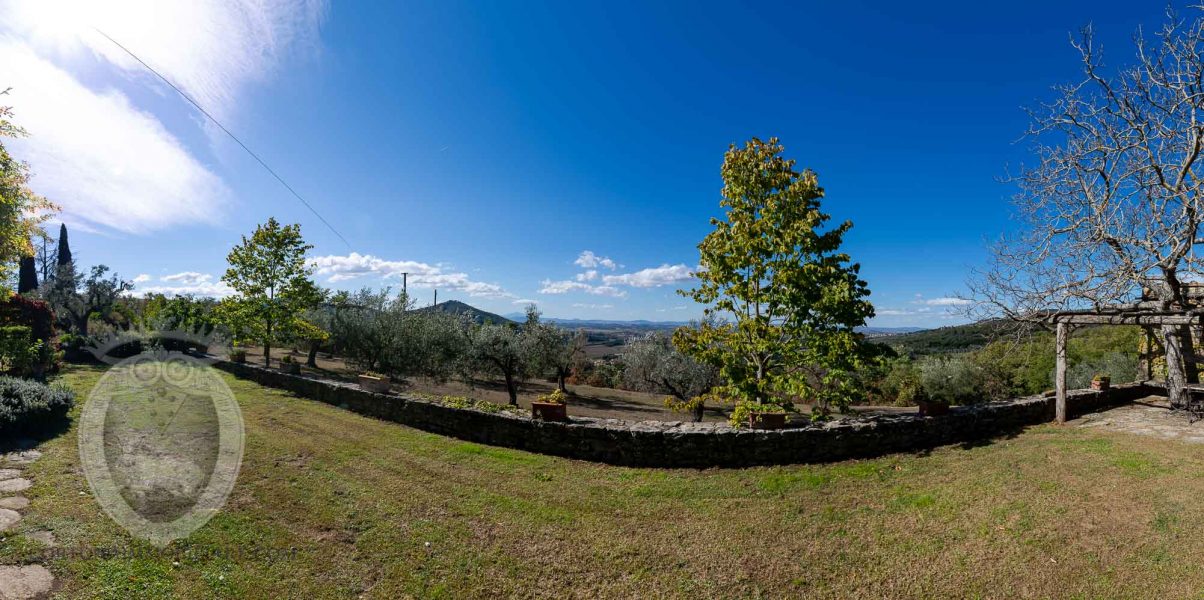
(290,366)
(551,407)
(929,407)
(759,415)
(1101,382)
(237,354)
(371,381)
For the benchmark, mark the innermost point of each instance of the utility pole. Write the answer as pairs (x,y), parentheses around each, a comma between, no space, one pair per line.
(404,292)
(436,297)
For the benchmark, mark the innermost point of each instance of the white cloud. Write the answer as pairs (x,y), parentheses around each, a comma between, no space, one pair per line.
(110,164)
(211,49)
(422,275)
(188,283)
(652,277)
(191,278)
(106,162)
(566,286)
(949,301)
(593,306)
(524,301)
(589,260)
(587,276)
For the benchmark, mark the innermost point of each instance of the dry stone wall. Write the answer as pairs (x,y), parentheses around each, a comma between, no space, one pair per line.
(697,445)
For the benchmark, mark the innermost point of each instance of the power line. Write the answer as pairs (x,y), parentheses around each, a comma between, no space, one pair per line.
(227,131)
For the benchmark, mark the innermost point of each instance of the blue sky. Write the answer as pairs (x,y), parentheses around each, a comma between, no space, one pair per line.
(508,152)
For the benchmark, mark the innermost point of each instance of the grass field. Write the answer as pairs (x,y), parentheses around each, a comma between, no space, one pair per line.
(333,505)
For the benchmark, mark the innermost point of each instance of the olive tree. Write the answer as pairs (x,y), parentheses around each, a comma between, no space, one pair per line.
(552,349)
(653,364)
(499,349)
(1113,200)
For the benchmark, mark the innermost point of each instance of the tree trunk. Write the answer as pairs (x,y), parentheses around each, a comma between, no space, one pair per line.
(312,361)
(560,377)
(696,412)
(267,347)
(1188,347)
(1176,379)
(512,389)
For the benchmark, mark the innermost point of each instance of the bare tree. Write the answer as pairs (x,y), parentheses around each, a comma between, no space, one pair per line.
(1115,200)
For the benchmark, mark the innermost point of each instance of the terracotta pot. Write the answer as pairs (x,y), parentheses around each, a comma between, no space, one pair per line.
(238,357)
(549,411)
(763,420)
(379,385)
(928,408)
(292,368)
(1102,384)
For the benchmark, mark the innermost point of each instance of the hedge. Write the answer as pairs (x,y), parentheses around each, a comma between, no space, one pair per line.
(27,406)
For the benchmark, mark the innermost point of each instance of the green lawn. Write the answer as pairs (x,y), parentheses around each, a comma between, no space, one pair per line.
(333,505)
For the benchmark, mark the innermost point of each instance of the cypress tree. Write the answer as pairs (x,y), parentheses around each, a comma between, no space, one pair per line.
(64,248)
(27,278)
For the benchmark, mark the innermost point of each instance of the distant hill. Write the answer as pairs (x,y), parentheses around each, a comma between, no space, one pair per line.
(885,331)
(958,338)
(456,307)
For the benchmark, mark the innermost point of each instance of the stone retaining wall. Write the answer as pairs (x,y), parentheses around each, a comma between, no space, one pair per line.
(700,445)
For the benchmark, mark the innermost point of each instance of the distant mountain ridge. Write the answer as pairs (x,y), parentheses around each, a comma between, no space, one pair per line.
(456,307)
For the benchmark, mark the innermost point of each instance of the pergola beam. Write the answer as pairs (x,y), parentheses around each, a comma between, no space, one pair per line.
(1126,319)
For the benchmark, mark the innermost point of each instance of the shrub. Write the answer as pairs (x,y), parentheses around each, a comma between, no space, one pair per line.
(27,406)
(555,397)
(903,383)
(951,379)
(1122,368)
(35,314)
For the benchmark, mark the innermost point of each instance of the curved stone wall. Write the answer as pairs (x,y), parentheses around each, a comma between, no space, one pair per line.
(698,445)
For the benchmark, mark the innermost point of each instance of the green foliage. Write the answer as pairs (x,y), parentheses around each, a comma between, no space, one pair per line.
(500,350)
(20,354)
(953,379)
(272,285)
(653,364)
(22,212)
(179,313)
(945,340)
(78,300)
(26,405)
(792,298)
(903,383)
(743,410)
(555,397)
(551,349)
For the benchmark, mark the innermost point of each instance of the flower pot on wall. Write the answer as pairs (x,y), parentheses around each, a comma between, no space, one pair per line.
(930,408)
(549,411)
(291,368)
(1101,384)
(379,385)
(767,420)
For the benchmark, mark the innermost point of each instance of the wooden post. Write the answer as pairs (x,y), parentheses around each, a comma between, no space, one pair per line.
(1060,373)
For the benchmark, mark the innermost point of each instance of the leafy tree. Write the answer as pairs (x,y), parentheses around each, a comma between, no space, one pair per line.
(180,313)
(272,285)
(791,299)
(653,364)
(551,349)
(22,212)
(500,349)
(27,277)
(76,300)
(373,331)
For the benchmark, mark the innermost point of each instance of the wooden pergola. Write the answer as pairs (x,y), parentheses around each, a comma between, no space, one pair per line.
(1137,314)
